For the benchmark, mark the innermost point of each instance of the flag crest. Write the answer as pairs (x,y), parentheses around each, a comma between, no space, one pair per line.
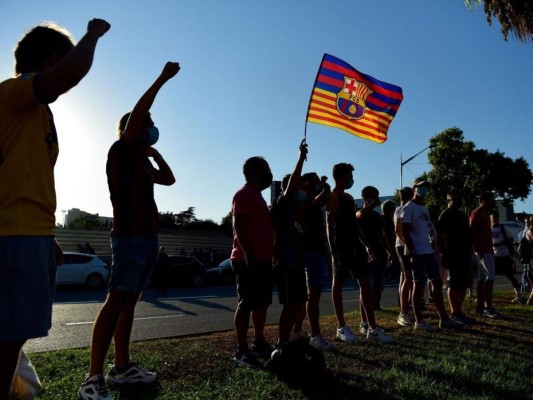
(347,99)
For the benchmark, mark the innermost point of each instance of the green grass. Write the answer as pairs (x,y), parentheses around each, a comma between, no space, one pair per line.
(490,360)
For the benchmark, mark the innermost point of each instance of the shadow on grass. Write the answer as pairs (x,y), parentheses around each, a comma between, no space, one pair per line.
(139,391)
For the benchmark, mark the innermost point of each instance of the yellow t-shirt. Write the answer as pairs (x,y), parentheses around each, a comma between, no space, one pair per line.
(28,152)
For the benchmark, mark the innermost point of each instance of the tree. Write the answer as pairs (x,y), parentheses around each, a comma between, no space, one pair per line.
(515,16)
(457,163)
(226,224)
(85,221)
(202,225)
(167,220)
(185,217)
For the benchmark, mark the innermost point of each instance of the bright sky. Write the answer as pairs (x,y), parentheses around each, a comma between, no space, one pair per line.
(248,69)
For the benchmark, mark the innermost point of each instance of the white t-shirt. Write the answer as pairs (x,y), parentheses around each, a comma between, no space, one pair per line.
(398,220)
(497,237)
(418,216)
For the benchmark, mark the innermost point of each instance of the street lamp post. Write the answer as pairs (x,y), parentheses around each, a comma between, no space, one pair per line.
(402,163)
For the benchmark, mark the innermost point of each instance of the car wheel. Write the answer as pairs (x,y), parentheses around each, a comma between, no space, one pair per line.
(94,281)
(197,280)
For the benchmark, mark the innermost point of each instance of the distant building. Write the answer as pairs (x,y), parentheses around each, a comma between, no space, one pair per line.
(75,213)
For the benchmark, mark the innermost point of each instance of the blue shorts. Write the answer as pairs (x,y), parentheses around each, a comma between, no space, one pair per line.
(134,259)
(316,270)
(27,286)
(426,268)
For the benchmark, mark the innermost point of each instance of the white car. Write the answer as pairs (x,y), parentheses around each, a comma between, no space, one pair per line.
(82,269)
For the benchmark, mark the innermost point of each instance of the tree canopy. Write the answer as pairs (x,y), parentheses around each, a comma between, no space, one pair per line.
(515,16)
(456,163)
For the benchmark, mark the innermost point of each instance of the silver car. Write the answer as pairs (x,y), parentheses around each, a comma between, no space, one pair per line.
(82,269)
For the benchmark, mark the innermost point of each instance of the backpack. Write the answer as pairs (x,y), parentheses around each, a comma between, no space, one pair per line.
(297,361)
(524,251)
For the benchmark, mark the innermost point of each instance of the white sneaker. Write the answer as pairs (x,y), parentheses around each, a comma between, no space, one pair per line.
(363,328)
(423,326)
(300,335)
(378,335)
(94,389)
(134,374)
(319,343)
(345,334)
(405,320)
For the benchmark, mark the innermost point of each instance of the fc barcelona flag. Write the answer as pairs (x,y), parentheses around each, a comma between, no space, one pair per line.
(350,100)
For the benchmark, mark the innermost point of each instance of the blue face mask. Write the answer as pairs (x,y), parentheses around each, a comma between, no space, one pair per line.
(317,188)
(301,196)
(421,191)
(349,184)
(151,135)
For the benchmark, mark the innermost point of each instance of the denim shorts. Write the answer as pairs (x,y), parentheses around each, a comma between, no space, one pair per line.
(134,258)
(316,271)
(486,267)
(27,286)
(427,268)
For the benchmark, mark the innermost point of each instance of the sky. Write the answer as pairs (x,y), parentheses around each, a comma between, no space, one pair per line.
(247,71)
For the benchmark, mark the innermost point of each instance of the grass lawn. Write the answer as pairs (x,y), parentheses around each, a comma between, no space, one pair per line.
(489,360)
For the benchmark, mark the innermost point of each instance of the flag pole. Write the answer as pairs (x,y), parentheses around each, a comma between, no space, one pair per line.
(311,97)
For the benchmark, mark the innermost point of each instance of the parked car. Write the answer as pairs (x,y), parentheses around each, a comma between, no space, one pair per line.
(221,274)
(82,269)
(183,271)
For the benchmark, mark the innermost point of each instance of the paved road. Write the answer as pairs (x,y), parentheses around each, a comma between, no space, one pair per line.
(174,312)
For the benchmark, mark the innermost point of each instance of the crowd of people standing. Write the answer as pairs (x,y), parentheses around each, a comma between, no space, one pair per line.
(290,242)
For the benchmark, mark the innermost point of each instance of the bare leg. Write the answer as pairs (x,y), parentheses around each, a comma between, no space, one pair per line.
(456,299)
(438,299)
(336,298)
(480,293)
(405,292)
(488,287)
(104,328)
(8,364)
(123,331)
(313,310)
(418,292)
(366,301)
(242,321)
(259,317)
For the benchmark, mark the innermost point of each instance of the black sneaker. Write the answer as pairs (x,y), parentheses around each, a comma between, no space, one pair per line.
(465,319)
(261,349)
(246,359)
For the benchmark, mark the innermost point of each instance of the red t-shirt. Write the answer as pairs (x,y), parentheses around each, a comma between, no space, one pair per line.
(481,231)
(249,202)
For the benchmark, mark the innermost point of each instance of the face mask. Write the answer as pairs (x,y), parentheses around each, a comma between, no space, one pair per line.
(301,196)
(266,180)
(421,191)
(349,184)
(151,136)
(317,188)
